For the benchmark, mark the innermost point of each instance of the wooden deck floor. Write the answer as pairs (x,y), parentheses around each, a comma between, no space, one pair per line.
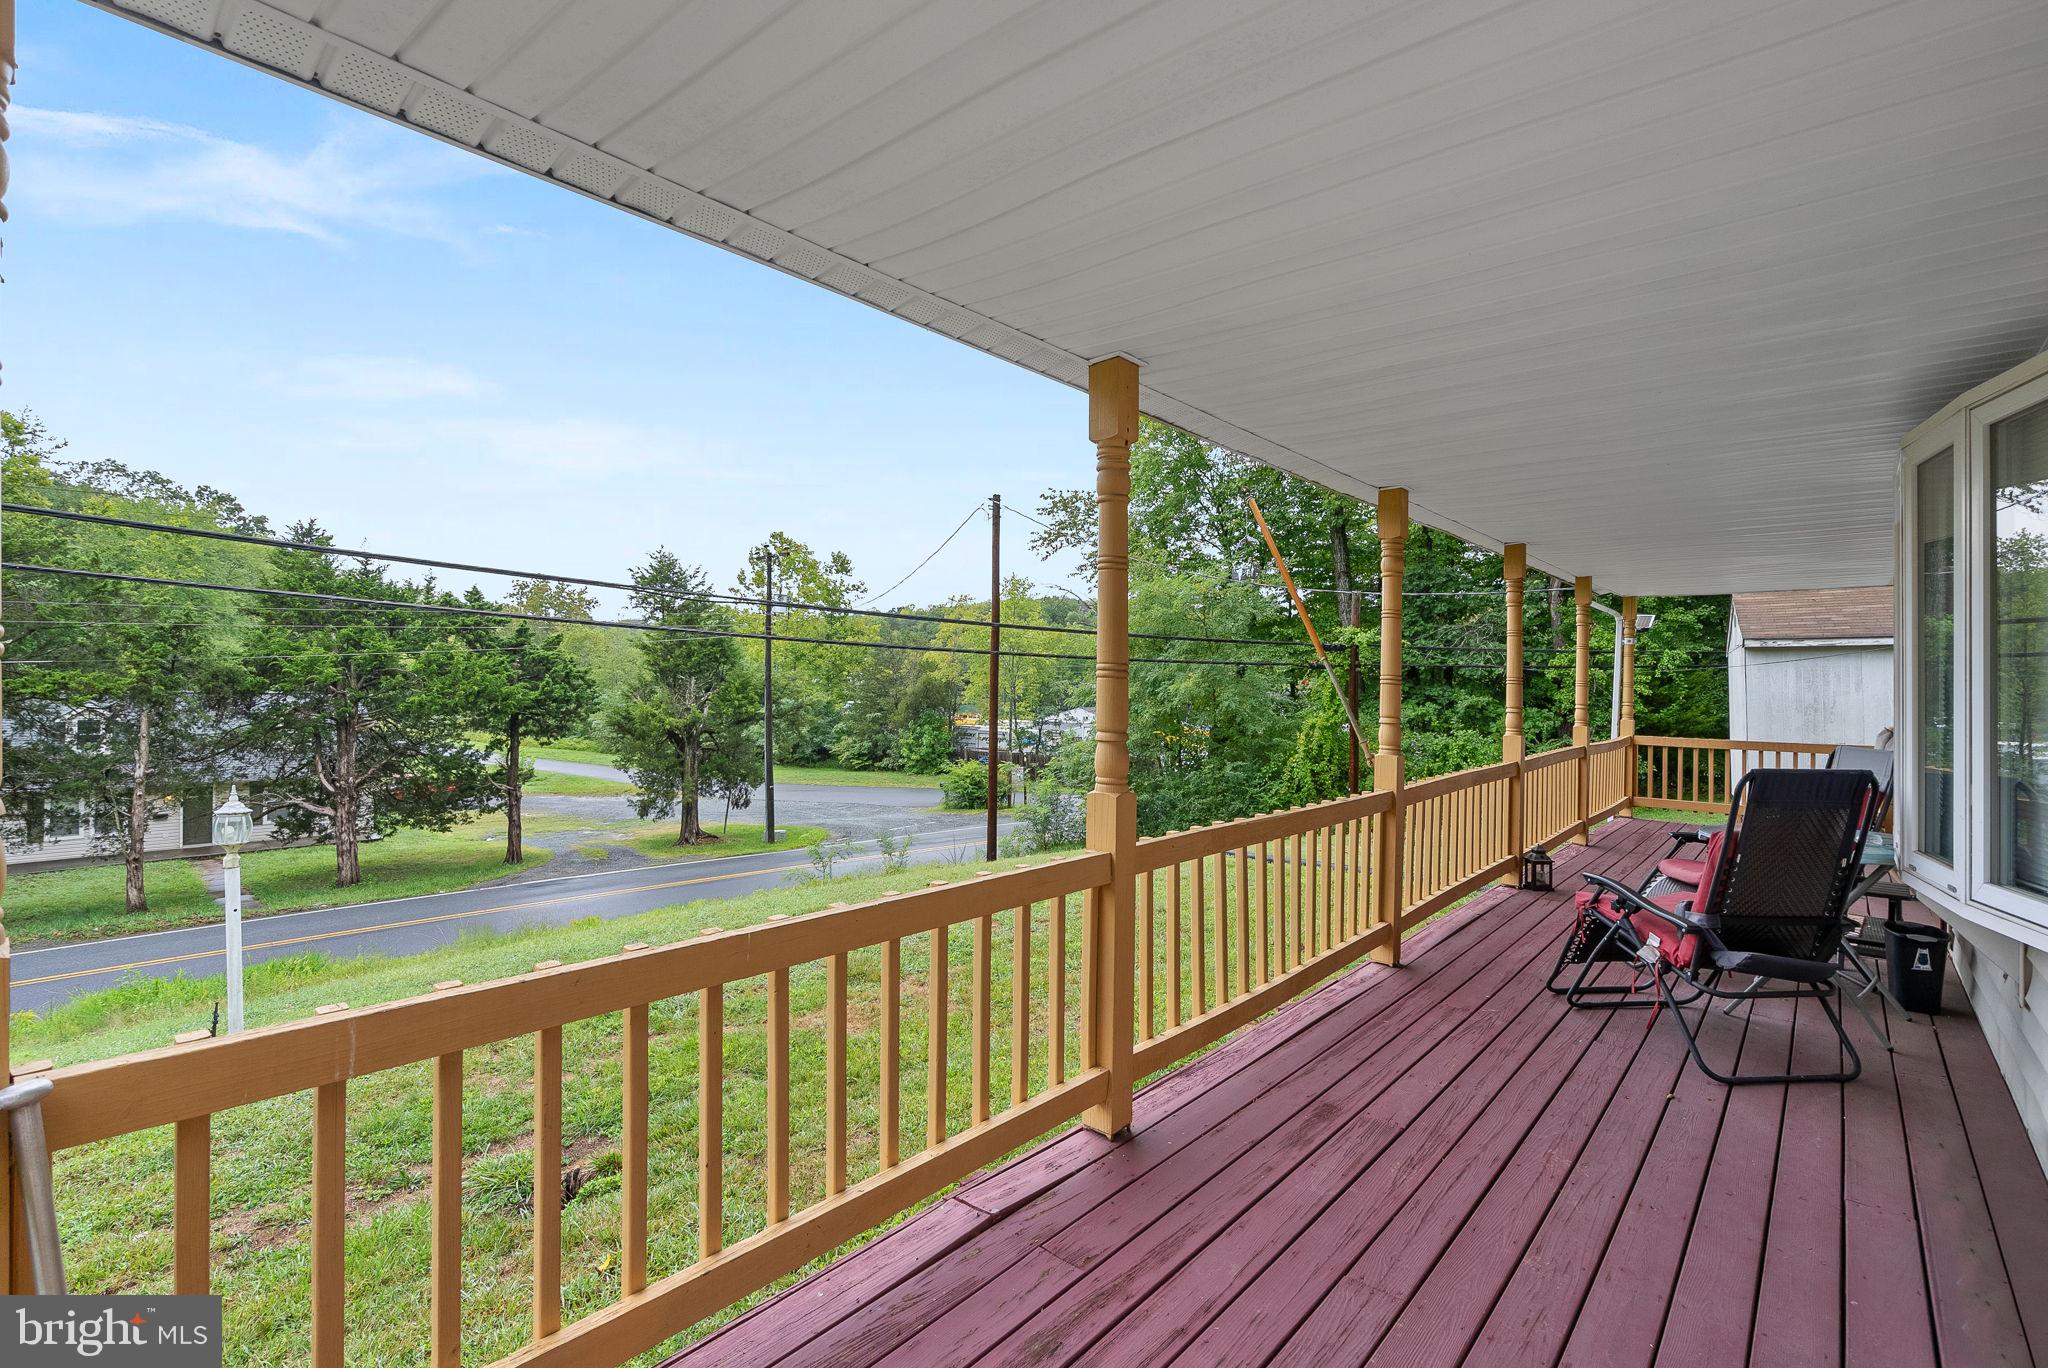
(1442,1164)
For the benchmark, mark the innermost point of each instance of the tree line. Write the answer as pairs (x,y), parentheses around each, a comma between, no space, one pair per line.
(362,718)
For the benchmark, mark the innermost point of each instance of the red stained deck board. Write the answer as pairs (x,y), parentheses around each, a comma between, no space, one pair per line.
(1708,1324)
(1357,1161)
(1885,1316)
(1975,1318)
(1617,1200)
(1798,1320)
(1495,1179)
(2015,1189)
(1368,1108)
(1351,1319)
(883,1324)
(1438,1324)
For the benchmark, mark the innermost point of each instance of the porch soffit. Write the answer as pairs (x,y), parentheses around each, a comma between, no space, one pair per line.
(1652,287)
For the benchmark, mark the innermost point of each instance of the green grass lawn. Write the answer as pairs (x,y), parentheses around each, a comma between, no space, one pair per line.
(800,774)
(116,1195)
(580,752)
(657,840)
(575,785)
(87,903)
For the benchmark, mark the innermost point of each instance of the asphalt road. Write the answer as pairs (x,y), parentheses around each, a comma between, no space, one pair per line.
(49,975)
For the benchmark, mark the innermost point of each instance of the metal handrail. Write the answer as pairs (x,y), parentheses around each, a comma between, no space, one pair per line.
(23,1103)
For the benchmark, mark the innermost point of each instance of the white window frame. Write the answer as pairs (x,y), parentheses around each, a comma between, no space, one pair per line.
(1949,437)
(2013,902)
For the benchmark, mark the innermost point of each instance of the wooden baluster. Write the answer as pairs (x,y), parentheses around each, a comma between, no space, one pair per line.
(1020,1007)
(1173,922)
(889,1111)
(984,933)
(1316,944)
(1148,934)
(445,1202)
(777,1178)
(1283,933)
(1351,867)
(1303,952)
(835,1075)
(330,1222)
(1266,863)
(1056,995)
(633,1153)
(711,1121)
(1241,921)
(192,1202)
(1199,958)
(936,1008)
(1221,968)
(547,1181)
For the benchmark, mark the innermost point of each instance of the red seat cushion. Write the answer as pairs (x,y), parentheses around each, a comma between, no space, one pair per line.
(1675,947)
(1678,869)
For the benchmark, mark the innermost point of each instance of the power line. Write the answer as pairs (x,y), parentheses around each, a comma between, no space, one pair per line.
(877,598)
(510,615)
(321,548)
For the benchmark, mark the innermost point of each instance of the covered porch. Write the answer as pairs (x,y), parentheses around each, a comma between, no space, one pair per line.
(1630,295)
(1440,1165)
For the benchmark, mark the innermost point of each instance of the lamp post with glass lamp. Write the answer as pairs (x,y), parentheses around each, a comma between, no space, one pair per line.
(231,824)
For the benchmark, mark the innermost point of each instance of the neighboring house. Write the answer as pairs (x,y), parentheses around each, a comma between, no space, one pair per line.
(1811,665)
(50,832)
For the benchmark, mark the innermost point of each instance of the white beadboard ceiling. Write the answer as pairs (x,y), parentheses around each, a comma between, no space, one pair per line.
(1654,286)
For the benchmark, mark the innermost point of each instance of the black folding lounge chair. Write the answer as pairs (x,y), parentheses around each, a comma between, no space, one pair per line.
(1680,870)
(1769,908)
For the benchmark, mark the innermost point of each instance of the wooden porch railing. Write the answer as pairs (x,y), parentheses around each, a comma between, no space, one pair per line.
(1691,775)
(1232,920)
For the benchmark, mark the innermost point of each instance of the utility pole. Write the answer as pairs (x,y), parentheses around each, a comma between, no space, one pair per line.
(768,694)
(995,646)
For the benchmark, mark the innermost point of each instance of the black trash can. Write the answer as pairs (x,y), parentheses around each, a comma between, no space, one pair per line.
(1915,961)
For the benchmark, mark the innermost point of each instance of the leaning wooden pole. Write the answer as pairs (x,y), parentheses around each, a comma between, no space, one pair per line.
(1386,760)
(1109,971)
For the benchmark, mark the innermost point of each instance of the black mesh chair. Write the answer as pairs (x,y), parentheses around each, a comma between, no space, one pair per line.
(1680,870)
(1769,908)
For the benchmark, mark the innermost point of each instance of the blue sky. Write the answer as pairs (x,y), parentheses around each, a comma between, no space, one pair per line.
(235,281)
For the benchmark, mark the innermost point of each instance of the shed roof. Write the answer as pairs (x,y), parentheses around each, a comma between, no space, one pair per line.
(1817,615)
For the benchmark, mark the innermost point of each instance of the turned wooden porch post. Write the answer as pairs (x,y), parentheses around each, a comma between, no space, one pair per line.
(1514,560)
(1112,808)
(1386,760)
(1582,678)
(1626,728)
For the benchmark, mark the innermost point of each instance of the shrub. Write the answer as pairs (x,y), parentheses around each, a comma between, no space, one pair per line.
(965,785)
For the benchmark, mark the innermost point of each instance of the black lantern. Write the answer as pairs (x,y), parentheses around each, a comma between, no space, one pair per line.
(1536,865)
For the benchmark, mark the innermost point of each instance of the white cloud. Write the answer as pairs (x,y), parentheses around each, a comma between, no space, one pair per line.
(118,170)
(381,379)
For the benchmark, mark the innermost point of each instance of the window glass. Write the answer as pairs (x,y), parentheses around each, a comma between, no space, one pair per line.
(2019,651)
(66,819)
(1934,591)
